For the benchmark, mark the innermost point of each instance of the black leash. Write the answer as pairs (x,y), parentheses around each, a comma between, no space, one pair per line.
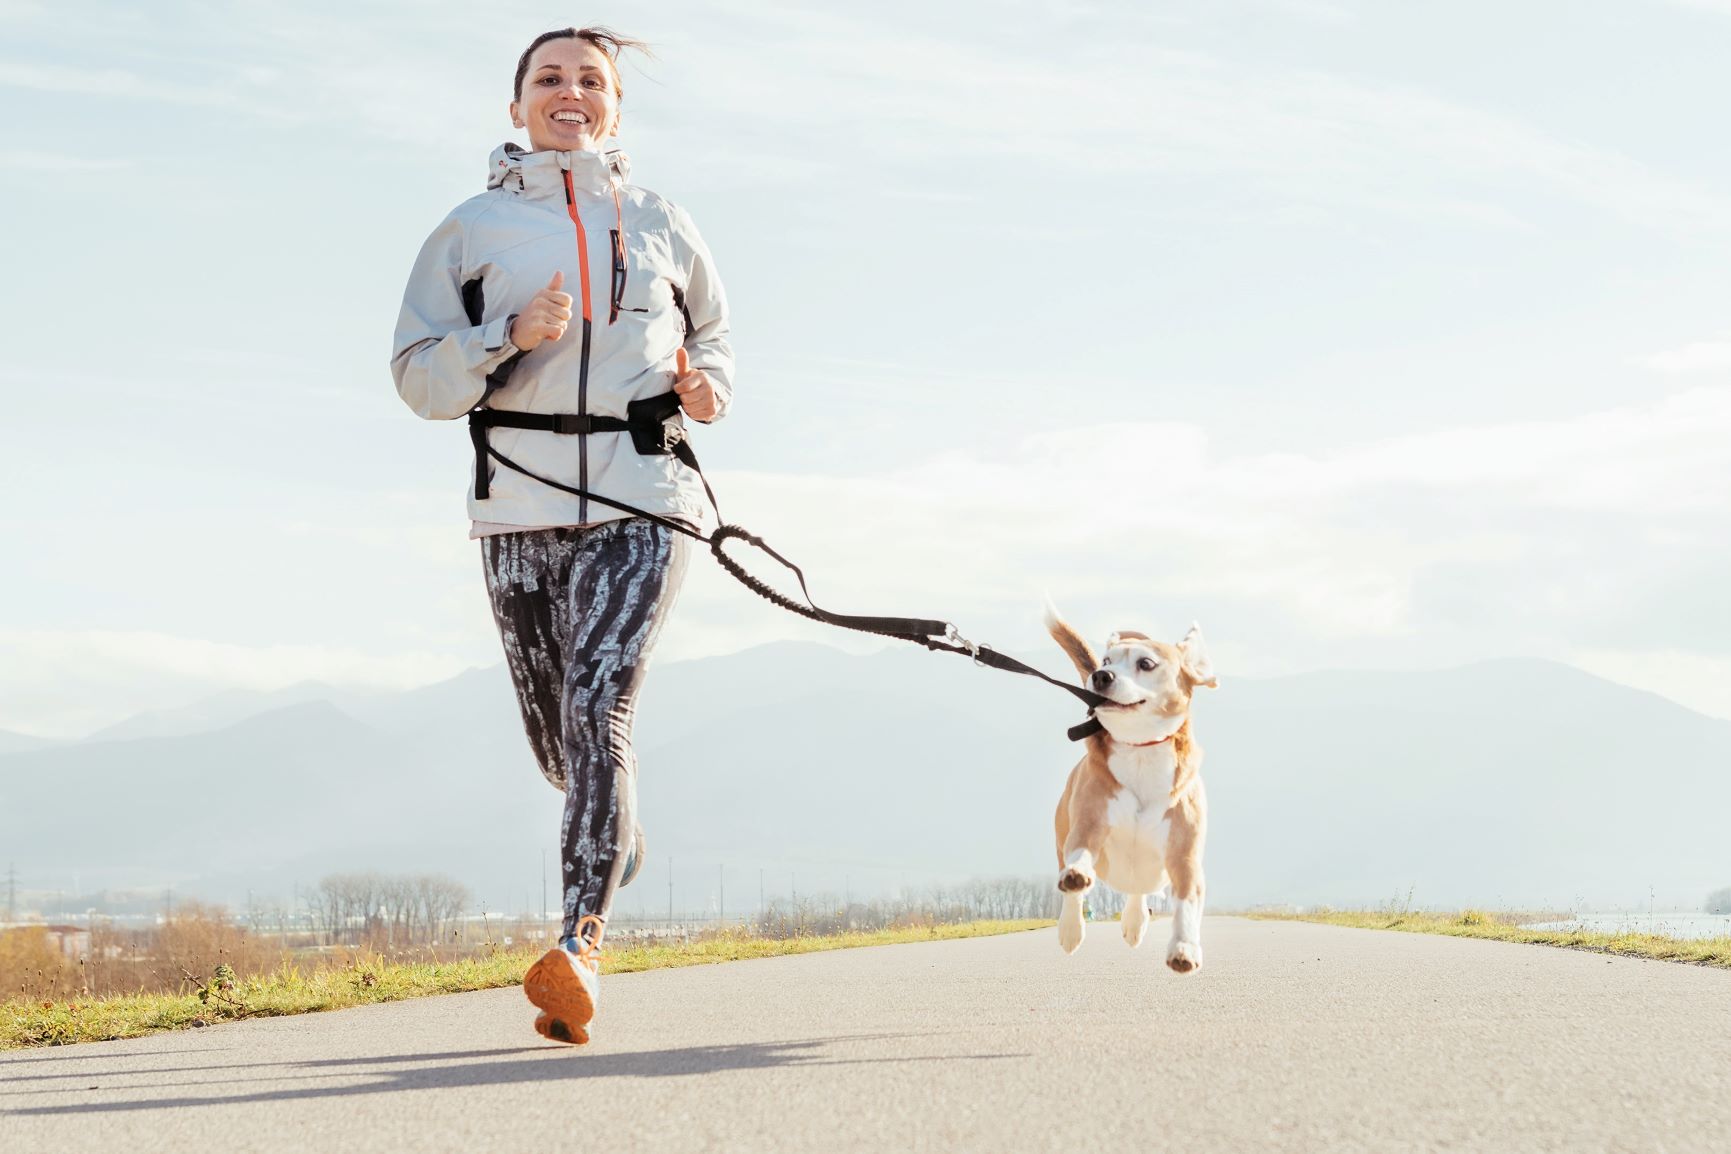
(939,636)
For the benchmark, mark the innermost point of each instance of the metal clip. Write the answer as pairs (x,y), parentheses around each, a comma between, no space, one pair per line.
(954,637)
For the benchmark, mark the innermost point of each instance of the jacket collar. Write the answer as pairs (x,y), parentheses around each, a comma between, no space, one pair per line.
(541,175)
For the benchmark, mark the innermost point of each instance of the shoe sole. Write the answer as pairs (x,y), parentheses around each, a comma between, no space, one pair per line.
(560,995)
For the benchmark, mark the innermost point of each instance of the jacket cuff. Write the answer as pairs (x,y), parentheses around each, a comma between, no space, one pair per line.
(496,336)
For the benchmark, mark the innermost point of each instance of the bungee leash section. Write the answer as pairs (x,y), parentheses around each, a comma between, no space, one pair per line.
(653,428)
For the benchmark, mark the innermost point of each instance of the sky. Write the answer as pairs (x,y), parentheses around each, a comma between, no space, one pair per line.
(1370,336)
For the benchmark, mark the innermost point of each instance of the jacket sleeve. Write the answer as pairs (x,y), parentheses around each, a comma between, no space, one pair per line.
(707,340)
(440,360)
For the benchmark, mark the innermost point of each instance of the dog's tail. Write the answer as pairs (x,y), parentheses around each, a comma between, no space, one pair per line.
(1071,642)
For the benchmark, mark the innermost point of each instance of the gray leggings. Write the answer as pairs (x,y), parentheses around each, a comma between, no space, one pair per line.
(578,612)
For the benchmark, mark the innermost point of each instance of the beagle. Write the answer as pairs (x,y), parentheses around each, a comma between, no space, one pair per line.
(1133,812)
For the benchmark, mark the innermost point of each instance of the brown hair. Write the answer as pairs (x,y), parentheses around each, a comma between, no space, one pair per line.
(610,43)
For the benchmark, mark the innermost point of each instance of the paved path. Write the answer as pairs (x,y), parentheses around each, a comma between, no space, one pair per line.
(1294,1037)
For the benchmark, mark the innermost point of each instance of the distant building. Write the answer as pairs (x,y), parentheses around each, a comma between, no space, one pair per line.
(72,942)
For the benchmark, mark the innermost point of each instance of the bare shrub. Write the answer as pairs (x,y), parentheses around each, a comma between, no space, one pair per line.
(997,899)
(31,968)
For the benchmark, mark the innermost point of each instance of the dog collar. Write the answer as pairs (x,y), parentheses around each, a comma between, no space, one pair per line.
(1163,740)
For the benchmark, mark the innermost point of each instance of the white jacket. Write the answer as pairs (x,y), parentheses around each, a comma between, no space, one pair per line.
(490,257)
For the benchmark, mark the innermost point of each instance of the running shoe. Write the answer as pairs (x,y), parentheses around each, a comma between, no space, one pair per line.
(634,860)
(564,984)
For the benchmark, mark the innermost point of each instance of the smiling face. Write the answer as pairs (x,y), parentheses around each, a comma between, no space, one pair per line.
(569,98)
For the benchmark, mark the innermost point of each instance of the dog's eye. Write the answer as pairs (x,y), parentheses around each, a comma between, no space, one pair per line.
(1147,664)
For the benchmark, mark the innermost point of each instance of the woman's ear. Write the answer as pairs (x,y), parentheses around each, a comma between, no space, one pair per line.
(516,121)
(1196,665)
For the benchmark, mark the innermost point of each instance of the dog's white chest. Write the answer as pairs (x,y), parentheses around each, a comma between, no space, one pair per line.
(1136,823)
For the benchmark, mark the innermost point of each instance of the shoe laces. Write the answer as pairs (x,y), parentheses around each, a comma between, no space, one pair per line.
(589,952)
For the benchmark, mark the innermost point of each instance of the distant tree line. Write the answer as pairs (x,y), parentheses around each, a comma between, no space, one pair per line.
(386,909)
(998,899)
(1719,901)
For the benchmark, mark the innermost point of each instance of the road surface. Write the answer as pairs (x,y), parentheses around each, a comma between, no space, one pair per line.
(1293,1037)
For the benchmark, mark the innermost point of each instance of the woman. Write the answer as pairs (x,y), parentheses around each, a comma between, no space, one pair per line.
(579,588)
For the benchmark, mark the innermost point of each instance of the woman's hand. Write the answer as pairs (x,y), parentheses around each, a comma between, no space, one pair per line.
(544,318)
(696,394)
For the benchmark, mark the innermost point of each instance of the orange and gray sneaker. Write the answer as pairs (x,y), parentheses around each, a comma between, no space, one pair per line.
(564,985)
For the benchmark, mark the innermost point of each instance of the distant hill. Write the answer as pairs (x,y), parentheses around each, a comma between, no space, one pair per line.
(21,742)
(1504,782)
(220,710)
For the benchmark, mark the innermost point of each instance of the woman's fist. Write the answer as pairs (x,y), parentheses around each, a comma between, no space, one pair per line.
(544,318)
(696,394)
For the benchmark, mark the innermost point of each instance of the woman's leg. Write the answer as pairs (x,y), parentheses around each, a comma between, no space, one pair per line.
(528,581)
(624,580)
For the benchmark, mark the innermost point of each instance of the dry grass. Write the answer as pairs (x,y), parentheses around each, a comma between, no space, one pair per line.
(1507,927)
(368,979)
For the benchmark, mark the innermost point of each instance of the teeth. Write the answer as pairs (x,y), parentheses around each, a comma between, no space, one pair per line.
(571,117)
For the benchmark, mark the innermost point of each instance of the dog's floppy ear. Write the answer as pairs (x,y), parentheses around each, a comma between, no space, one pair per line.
(1074,647)
(1196,664)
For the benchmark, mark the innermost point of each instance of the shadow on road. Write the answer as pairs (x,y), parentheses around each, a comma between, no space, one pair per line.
(535,1064)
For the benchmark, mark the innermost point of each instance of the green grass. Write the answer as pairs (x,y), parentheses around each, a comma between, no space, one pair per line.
(294,990)
(1506,927)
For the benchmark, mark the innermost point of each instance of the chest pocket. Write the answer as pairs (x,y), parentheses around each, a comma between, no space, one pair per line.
(644,278)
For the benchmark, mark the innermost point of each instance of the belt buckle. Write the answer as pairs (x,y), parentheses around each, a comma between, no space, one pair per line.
(570,423)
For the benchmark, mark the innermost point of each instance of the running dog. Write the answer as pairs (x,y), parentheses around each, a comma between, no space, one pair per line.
(1133,812)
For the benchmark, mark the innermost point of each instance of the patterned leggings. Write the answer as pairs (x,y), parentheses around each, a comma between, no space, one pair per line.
(578,612)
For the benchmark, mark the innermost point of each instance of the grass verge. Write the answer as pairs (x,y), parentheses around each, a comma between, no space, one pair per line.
(292,990)
(1506,927)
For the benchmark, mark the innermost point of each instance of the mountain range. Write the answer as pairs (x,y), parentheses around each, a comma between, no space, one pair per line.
(796,768)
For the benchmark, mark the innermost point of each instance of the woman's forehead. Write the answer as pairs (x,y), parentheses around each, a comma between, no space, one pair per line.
(570,53)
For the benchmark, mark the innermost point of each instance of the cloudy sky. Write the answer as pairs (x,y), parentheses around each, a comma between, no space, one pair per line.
(1370,335)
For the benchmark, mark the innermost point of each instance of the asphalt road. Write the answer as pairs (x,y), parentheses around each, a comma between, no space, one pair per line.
(1292,1037)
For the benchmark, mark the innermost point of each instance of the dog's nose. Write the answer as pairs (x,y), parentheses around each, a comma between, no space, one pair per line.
(1102,680)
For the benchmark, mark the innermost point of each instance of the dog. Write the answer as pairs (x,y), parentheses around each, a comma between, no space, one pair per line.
(1133,812)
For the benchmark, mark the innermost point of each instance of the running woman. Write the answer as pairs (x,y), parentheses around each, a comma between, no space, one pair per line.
(565,289)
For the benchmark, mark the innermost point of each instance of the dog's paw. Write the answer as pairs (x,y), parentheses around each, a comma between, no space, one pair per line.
(1070,932)
(1074,881)
(1183,957)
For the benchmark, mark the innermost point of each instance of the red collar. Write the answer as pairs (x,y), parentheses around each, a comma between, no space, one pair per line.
(1162,741)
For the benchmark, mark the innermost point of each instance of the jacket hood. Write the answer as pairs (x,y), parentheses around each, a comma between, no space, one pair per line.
(505,165)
